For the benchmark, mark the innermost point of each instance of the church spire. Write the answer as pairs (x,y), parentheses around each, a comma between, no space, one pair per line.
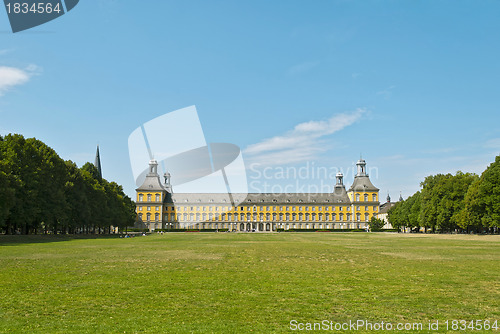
(97,163)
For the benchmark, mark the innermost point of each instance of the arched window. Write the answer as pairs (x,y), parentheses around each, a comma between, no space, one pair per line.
(148,217)
(149,197)
(141,197)
(366,197)
(157,217)
(157,197)
(358,217)
(140,216)
(366,217)
(341,217)
(374,197)
(357,197)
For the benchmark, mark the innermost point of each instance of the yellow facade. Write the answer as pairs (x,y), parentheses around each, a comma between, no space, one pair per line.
(160,209)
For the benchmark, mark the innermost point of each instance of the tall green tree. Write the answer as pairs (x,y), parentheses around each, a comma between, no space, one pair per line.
(7,187)
(442,200)
(489,195)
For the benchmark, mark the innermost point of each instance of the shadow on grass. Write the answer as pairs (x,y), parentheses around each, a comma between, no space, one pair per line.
(13,240)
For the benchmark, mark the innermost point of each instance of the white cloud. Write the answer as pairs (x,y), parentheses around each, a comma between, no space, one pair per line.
(12,76)
(386,93)
(303,143)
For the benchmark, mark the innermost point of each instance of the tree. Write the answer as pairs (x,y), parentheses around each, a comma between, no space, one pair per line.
(38,190)
(442,200)
(489,195)
(376,223)
(7,187)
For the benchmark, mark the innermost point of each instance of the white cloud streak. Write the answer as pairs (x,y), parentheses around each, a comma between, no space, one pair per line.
(303,143)
(12,76)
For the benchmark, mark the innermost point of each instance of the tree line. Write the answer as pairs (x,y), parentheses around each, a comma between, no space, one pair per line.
(42,193)
(447,203)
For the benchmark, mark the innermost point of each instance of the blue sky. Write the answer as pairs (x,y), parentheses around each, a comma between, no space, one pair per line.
(412,86)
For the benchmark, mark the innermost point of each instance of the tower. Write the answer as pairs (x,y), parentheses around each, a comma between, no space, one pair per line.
(361,164)
(150,198)
(364,197)
(340,179)
(97,164)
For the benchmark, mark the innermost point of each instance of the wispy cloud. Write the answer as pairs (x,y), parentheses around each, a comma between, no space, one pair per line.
(302,67)
(12,76)
(5,51)
(303,143)
(493,143)
(386,93)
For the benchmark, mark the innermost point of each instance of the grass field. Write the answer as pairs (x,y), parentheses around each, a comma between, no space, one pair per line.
(241,283)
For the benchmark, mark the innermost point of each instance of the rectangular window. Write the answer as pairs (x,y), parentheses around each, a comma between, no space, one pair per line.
(149,208)
(157,208)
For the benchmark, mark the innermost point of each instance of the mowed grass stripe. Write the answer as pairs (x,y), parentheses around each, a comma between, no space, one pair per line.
(235,283)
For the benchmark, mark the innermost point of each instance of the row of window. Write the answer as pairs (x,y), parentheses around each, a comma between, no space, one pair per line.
(149,197)
(225,209)
(262,226)
(254,217)
(366,197)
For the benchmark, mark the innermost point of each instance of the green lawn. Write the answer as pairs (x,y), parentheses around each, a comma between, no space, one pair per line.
(240,283)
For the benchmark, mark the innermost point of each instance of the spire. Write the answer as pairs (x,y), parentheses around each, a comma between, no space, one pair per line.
(97,163)
(388,198)
(400,197)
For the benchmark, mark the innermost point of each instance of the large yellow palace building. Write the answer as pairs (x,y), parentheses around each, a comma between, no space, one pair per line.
(159,208)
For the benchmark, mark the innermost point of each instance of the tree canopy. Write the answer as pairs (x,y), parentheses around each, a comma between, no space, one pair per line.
(447,202)
(39,191)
